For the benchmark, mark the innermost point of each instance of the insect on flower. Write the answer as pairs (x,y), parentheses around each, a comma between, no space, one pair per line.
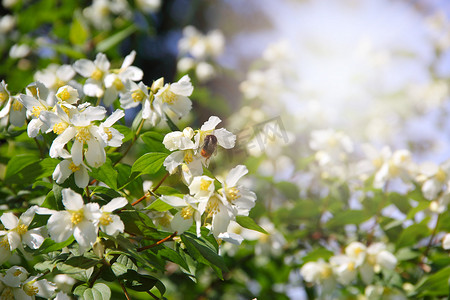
(209,146)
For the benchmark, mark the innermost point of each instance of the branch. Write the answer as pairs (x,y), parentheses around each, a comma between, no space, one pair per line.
(158,242)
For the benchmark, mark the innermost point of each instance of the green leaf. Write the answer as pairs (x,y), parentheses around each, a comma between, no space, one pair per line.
(348,217)
(79,32)
(173,256)
(126,131)
(18,163)
(49,245)
(149,163)
(202,251)
(436,284)
(159,205)
(412,234)
(171,124)
(122,265)
(99,291)
(113,40)
(106,174)
(288,189)
(82,262)
(406,254)
(249,223)
(317,254)
(154,140)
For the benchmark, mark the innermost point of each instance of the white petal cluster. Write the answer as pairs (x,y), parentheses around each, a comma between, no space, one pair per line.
(83,220)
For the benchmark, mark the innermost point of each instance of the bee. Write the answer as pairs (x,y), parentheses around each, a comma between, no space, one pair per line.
(209,146)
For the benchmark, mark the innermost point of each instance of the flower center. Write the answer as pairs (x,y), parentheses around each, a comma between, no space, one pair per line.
(326,272)
(30,289)
(108,133)
(74,168)
(59,128)
(83,134)
(21,229)
(17,273)
(105,219)
(187,212)
(232,194)
(137,95)
(164,220)
(58,83)
(77,217)
(36,111)
(188,156)
(204,184)
(351,266)
(358,250)
(169,97)
(393,169)
(441,175)
(212,207)
(5,243)
(118,84)
(64,95)
(7,294)
(97,74)
(377,162)
(17,106)
(3,97)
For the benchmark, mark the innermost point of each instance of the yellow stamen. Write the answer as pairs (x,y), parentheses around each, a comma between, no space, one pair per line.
(64,95)
(351,266)
(97,74)
(5,243)
(118,84)
(358,250)
(83,134)
(17,106)
(17,273)
(212,207)
(77,217)
(326,272)
(393,169)
(441,175)
(3,96)
(58,83)
(105,219)
(138,95)
(36,111)
(73,167)
(169,97)
(377,162)
(232,194)
(21,229)
(187,212)
(30,289)
(188,156)
(59,128)
(164,220)
(204,184)
(108,133)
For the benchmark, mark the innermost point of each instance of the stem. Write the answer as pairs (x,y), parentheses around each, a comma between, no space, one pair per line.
(88,194)
(131,143)
(152,191)
(41,151)
(430,242)
(124,289)
(98,101)
(378,214)
(158,242)
(153,295)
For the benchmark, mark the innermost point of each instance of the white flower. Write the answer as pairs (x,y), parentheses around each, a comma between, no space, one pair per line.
(344,268)
(189,213)
(225,138)
(436,178)
(399,165)
(175,96)
(18,231)
(78,219)
(95,71)
(67,94)
(7,23)
(182,141)
(65,168)
(240,197)
(357,251)
(115,81)
(111,136)
(19,51)
(446,242)
(316,271)
(55,76)
(148,6)
(109,223)
(78,127)
(202,187)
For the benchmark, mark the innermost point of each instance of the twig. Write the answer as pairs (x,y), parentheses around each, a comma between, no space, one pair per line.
(153,295)
(430,242)
(124,289)
(158,242)
(152,191)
